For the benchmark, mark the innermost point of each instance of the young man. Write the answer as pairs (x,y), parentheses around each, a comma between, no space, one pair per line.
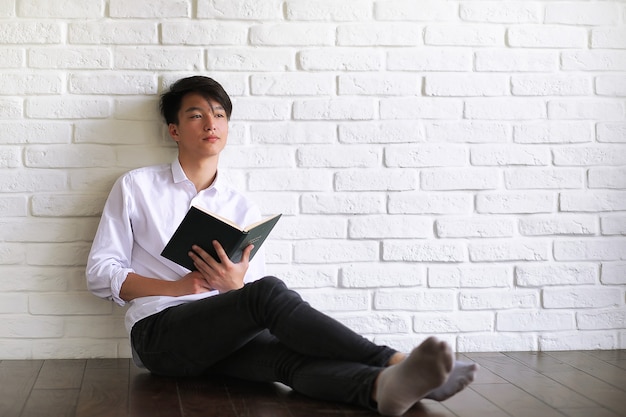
(230,318)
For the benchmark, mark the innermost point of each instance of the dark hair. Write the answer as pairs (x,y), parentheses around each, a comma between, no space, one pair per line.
(207,87)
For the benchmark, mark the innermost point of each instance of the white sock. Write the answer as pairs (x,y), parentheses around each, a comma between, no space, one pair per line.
(461,376)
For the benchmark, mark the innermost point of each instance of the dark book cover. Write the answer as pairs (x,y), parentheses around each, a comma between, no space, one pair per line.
(200,227)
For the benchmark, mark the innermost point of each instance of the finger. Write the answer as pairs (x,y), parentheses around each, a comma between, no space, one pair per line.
(245,257)
(221,253)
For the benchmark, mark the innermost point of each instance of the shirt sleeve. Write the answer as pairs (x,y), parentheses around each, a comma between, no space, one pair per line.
(110,256)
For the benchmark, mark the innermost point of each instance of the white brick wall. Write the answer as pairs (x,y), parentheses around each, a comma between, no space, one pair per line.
(445,167)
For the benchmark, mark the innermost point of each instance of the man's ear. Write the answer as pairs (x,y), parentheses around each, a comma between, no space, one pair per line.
(173,131)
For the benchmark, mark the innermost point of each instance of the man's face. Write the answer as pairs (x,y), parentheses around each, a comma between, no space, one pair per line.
(202,128)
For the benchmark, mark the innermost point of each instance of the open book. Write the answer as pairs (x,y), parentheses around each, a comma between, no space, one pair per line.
(201,227)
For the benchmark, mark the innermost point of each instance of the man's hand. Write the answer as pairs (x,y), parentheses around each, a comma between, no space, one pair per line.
(224,275)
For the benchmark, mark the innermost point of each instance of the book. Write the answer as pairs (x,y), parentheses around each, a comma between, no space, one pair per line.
(201,227)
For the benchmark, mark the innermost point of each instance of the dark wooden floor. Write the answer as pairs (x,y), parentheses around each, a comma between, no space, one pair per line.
(589,384)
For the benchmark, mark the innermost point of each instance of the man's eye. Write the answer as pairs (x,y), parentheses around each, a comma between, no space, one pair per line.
(196,116)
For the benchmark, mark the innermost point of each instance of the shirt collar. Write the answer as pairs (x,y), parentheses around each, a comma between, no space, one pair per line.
(178,175)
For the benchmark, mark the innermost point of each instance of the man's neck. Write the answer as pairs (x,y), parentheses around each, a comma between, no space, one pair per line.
(200,172)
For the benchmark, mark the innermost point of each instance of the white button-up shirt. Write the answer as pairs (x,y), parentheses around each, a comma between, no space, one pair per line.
(143,210)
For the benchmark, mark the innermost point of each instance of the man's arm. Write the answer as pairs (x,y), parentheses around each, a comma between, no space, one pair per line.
(136,286)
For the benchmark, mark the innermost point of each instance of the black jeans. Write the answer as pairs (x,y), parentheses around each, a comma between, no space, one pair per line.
(262,332)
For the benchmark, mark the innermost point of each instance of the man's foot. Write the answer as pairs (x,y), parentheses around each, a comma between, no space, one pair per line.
(461,376)
(400,386)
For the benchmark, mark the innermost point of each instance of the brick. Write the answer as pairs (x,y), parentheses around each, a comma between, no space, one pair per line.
(94,179)
(113,83)
(19,326)
(64,205)
(379,34)
(12,253)
(611,85)
(57,254)
(149,8)
(343,203)
(428,10)
(515,202)
(504,109)
(554,132)
(581,297)
(389,226)
(70,9)
(377,323)
(546,36)
(580,13)
(414,300)
(470,85)
(510,155)
(93,327)
(380,85)
(12,58)
(325,10)
(66,304)
(420,108)
(611,132)
(500,12)
(518,321)
(137,109)
(339,59)
(307,276)
(555,274)
(240,9)
(377,275)
(262,109)
(296,180)
(593,60)
(310,227)
(69,58)
(613,273)
(585,109)
(63,107)
(292,34)
(388,179)
(136,156)
(429,59)
(592,201)
(69,156)
(337,300)
(58,230)
(600,320)
(590,250)
(293,133)
(112,32)
(551,85)
(26,84)
(469,276)
(459,179)
(503,251)
(158,58)
(381,132)
(39,279)
(577,341)
(261,157)
(292,84)
(473,131)
(609,37)
(464,34)
(11,108)
(496,342)
(328,251)
(425,155)
(474,227)
(203,33)
(10,157)
(543,178)
(498,299)
(332,156)
(429,251)
(7,9)
(613,225)
(29,181)
(430,203)
(245,59)
(108,132)
(35,132)
(512,60)
(21,33)
(607,178)
(558,225)
(77,348)
(453,322)
(13,303)
(590,155)
(333,109)
(13,206)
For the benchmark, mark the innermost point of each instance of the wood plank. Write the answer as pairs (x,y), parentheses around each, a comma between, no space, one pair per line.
(61,374)
(152,395)
(16,382)
(469,403)
(602,370)
(51,403)
(198,395)
(104,392)
(517,402)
